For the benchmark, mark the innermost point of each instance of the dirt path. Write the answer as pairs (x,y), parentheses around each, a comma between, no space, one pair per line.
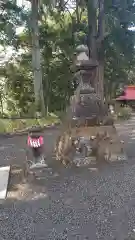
(77,204)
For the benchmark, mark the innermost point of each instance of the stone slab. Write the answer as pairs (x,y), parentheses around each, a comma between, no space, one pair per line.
(4,177)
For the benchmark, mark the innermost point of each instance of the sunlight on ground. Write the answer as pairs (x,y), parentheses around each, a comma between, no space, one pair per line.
(26,192)
(128,129)
(93,169)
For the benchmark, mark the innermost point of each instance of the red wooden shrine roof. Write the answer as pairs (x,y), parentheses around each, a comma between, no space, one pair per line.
(129,94)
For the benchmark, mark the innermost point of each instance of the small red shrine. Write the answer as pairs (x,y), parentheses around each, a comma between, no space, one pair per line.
(128,94)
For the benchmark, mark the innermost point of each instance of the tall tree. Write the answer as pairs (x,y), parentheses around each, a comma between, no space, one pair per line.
(36,58)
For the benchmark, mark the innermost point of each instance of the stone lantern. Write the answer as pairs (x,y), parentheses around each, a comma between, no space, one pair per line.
(86,105)
(85,67)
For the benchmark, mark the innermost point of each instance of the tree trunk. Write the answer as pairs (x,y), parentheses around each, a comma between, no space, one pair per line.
(100,88)
(92,24)
(47,96)
(96,37)
(36,59)
(2,110)
(101,33)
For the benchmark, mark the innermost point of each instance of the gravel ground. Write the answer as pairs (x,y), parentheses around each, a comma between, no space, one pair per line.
(74,204)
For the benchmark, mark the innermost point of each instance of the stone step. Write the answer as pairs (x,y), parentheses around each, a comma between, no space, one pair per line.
(4,177)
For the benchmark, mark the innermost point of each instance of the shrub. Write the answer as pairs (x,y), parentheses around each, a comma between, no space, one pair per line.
(125,113)
(8,125)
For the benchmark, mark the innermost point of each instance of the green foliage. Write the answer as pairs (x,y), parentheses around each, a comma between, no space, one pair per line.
(11,16)
(118,45)
(18,88)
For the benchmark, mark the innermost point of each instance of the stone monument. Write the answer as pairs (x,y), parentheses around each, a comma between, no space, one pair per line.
(88,133)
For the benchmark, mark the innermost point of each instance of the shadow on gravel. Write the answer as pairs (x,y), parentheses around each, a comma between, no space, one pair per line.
(58,213)
(67,202)
(19,189)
